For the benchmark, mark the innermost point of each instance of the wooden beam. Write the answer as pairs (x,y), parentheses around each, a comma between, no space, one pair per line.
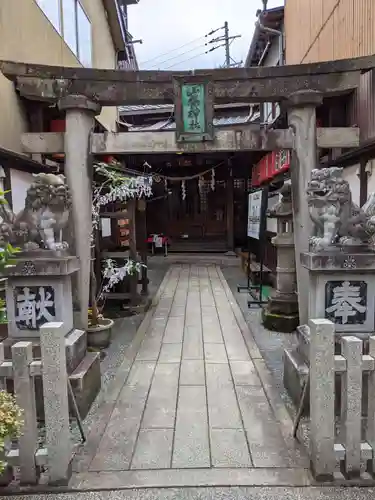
(117,93)
(244,138)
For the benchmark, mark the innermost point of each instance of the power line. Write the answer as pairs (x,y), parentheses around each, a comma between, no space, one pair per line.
(174,50)
(186,60)
(178,55)
(197,55)
(228,40)
(182,46)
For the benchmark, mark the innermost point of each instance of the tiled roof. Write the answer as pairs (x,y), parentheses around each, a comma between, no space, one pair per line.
(141,108)
(218,122)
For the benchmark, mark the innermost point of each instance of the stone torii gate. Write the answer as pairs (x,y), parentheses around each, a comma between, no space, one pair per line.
(81,93)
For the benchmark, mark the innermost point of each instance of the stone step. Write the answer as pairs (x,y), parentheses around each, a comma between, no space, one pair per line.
(86,381)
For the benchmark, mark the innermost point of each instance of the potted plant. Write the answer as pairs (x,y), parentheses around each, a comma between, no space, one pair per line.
(10,427)
(113,186)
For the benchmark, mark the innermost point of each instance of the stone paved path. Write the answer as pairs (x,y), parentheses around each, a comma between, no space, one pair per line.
(193,400)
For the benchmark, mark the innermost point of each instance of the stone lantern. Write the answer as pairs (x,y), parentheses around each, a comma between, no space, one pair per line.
(281,312)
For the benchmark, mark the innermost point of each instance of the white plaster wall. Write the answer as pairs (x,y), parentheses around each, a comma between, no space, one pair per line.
(20,182)
(350,174)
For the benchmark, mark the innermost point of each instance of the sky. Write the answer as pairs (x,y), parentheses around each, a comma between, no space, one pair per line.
(173,31)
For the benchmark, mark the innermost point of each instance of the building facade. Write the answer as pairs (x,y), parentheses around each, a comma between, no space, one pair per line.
(75,33)
(199,200)
(267,48)
(339,29)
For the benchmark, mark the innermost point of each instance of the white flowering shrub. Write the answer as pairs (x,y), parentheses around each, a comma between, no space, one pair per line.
(114,187)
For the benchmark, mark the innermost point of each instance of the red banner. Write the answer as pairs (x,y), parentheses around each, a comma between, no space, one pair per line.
(271,165)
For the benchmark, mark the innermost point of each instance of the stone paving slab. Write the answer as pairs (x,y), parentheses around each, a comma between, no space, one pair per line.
(193,409)
(244,373)
(191,445)
(176,478)
(215,353)
(229,448)
(160,409)
(154,449)
(192,372)
(193,343)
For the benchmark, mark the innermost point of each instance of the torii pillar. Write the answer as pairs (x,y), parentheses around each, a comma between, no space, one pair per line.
(302,119)
(80,120)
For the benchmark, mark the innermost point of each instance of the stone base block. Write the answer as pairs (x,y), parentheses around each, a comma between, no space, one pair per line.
(279,322)
(283,303)
(83,367)
(303,346)
(76,348)
(86,382)
(295,373)
(75,343)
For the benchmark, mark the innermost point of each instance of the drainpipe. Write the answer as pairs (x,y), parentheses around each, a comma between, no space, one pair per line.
(264,53)
(280,34)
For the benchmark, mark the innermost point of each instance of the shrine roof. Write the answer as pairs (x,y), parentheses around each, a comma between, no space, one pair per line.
(221,121)
(142,109)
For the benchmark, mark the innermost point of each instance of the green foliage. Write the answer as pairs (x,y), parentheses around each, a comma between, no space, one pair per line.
(3,311)
(10,421)
(7,254)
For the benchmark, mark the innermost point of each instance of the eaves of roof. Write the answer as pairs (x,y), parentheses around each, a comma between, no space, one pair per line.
(144,109)
(223,121)
(269,18)
(18,161)
(113,16)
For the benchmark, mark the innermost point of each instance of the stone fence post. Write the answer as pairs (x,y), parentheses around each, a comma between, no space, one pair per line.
(322,398)
(56,403)
(24,389)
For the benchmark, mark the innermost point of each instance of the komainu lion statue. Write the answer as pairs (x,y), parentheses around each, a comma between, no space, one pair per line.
(337,219)
(40,223)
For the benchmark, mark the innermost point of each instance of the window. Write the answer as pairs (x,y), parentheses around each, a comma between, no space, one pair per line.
(71,21)
(84,37)
(70,24)
(51,9)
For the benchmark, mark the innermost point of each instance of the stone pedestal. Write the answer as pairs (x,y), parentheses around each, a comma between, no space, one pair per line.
(342,289)
(39,291)
(281,312)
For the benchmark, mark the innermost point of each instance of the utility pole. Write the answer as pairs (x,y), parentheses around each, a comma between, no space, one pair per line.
(229,62)
(227,50)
